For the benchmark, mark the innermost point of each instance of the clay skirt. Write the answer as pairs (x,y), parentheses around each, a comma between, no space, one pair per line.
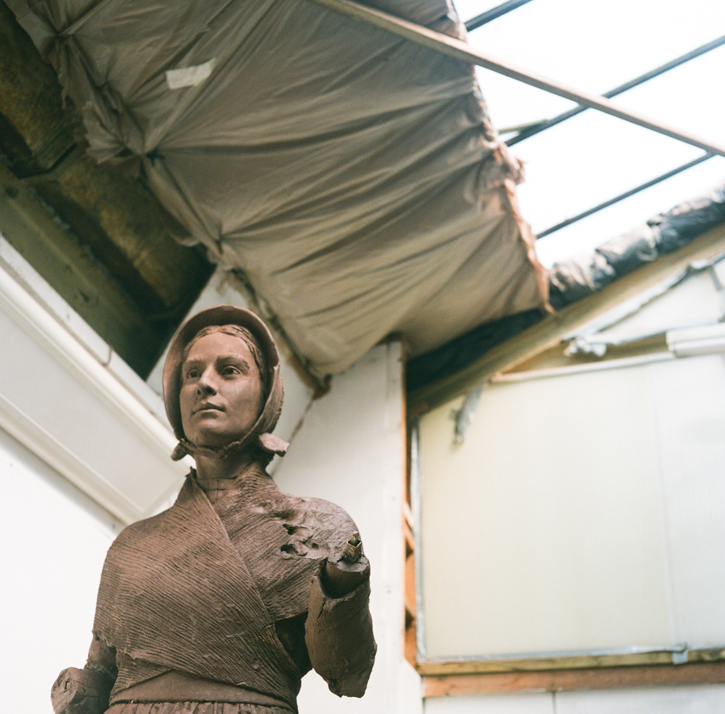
(194,708)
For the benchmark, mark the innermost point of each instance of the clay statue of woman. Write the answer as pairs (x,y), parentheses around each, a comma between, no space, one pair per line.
(224,601)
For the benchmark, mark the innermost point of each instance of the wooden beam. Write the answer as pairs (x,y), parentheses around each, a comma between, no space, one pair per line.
(562,680)
(73,273)
(532,664)
(99,237)
(34,132)
(553,328)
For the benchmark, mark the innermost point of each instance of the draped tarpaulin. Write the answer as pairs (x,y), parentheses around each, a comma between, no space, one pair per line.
(352,176)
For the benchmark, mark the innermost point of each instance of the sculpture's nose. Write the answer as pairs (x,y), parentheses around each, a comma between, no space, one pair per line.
(205,384)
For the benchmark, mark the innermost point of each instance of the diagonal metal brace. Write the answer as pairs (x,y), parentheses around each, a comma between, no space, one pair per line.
(462,51)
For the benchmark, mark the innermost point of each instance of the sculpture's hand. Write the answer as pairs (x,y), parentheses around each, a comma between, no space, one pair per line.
(338,629)
(80,691)
(351,569)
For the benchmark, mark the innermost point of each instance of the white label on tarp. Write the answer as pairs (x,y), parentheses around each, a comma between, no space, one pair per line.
(189,76)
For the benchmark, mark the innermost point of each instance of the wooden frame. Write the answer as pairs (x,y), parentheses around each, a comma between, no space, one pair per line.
(571,679)
(553,663)
(595,671)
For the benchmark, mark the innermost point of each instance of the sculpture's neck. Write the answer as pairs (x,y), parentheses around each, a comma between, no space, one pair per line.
(216,474)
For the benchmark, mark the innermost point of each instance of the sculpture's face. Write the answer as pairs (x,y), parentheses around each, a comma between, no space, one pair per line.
(221,392)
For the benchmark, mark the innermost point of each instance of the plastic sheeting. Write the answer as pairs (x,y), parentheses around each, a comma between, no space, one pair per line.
(574,279)
(352,177)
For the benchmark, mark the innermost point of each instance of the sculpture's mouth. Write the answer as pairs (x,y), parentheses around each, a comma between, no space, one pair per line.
(208,406)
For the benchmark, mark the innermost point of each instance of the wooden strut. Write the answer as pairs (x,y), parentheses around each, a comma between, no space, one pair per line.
(552,329)
(563,680)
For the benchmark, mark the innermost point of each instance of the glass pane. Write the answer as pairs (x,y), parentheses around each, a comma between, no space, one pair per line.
(585,235)
(592,158)
(514,104)
(596,46)
(589,159)
(688,97)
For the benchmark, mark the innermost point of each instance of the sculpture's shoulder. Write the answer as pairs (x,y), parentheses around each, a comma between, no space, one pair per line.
(161,525)
(325,521)
(142,532)
(324,513)
(328,513)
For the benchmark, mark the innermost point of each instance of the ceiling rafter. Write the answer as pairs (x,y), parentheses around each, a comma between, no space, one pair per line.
(538,127)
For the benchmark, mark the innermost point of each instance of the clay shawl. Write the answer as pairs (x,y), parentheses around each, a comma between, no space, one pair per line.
(198,590)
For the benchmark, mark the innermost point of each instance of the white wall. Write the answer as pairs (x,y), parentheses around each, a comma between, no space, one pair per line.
(70,413)
(557,481)
(598,499)
(69,398)
(350,450)
(54,536)
(528,703)
(703,699)
(54,540)
(603,529)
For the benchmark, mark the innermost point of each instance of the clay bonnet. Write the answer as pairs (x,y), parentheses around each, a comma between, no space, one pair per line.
(261,431)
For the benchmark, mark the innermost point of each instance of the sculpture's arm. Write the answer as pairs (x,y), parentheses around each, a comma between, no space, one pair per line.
(87,690)
(339,630)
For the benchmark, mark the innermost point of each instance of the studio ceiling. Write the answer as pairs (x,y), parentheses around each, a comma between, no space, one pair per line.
(352,178)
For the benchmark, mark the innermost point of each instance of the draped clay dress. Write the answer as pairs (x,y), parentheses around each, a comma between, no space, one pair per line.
(221,609)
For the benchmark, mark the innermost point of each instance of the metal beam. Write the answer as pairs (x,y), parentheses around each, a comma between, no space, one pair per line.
(536,127)
(462,51)
(624,195)
(494,13)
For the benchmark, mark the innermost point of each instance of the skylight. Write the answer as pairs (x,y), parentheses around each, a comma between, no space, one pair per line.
(593,158)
